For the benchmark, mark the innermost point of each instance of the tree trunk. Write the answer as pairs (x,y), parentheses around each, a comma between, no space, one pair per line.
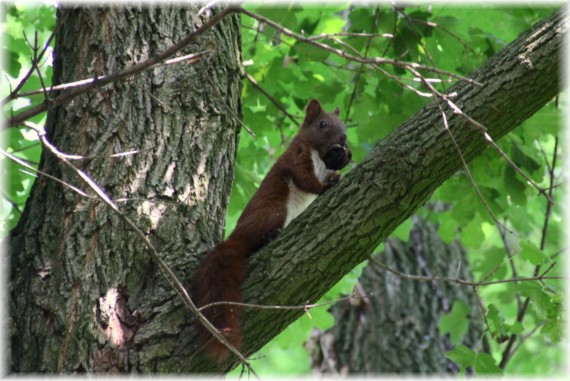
(395,330)
(84,293)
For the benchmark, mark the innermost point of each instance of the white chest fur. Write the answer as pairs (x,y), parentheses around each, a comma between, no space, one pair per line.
(299,200)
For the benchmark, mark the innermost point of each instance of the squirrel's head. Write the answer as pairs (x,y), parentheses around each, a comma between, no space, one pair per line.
(327,135)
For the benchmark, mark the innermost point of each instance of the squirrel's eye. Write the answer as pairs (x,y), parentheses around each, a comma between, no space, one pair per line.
(323,124)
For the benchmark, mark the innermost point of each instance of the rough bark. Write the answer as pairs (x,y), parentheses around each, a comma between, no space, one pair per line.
(84,293)
(395,330)
(342,227)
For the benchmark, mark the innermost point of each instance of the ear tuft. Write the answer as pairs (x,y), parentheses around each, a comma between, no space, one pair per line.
(337,111)
(314,109)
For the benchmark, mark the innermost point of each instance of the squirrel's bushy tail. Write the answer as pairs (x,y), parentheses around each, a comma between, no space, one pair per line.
(218,279)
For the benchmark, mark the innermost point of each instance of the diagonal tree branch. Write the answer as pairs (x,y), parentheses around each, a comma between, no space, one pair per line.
(343,226)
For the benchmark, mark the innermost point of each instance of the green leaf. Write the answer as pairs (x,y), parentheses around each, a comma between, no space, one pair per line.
(486,364)
(554,325)
(540,299)
(532,254)
(309,52)
(514,186)
(472,235)
(462,356)
(496,322)
(553,329)
(522,156)
(456,323)
(14,65)
(448,229)
(483,363)
(516,328)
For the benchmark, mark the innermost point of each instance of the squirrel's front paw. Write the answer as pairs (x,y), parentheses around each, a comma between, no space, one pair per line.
(332,180)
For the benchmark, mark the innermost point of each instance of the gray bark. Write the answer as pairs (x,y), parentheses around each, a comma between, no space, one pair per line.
(395,330)
(84,293)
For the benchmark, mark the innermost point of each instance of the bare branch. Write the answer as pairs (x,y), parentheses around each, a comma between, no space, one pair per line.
(511,262)
(15,206)
(491,142)
(461,281)
(343,54)
(305,307)
(347,34)
(361,70)
(551,169)
(189,58)
(523,338)
(482,309)
(434,25)
(271,98)
(18,160)
(508,352)
(216,87)
(13,94)
(467,171)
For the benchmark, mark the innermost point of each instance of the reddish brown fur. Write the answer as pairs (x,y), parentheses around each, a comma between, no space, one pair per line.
(220,275)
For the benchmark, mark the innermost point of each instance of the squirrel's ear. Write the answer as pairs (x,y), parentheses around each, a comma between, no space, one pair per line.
(314,109)
(337,111)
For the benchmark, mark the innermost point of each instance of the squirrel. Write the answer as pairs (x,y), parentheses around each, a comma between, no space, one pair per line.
(306,169)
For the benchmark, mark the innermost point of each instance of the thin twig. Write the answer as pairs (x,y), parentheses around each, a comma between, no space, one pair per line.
(397,79)
(359,73)
(493,272)
(418,38)
(348,34)
(490,140)
(508,352)
(483,129)
(548,269)
(467,171)
(13,94)
(394,30)
(271,98)
(550,193)
(511,262)
(15,206)
(462,281)
(434,25)
(216,86)
(18,160)
(482,309)
(523,338)
(305,307)
(343,54)
(36,65)
(189,59)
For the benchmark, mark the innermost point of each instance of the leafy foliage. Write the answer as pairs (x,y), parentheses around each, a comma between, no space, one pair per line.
(20,25)
(455,39)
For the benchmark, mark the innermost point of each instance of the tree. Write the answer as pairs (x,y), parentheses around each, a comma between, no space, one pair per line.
(395,328)
(98,277)
(75,282)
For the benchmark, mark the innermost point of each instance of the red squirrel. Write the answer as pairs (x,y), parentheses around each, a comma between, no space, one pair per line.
(306,169)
